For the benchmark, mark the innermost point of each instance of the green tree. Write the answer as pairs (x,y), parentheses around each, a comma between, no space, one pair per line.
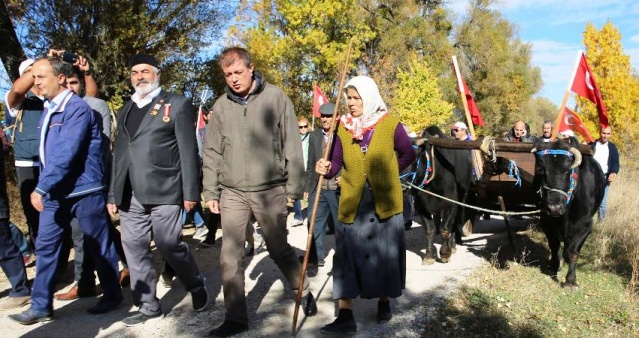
(619,86)
(296,43)
(538,110)
(495,64)
(109,32)
(419,101)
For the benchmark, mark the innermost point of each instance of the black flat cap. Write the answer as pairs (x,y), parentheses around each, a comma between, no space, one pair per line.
(143,58)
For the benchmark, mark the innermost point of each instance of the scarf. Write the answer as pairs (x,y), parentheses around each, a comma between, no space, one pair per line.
(374,107)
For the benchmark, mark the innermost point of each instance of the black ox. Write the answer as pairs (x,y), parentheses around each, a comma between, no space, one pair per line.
(571,188)
(447,172)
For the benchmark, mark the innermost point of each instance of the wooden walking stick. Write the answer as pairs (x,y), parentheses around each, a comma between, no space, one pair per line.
(318,190)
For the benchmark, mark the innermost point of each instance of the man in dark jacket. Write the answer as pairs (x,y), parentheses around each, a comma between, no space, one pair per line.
(155,177)
(71,185)
(607,155)
(252,160)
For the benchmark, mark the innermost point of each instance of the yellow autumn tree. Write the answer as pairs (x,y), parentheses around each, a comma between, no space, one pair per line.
(619,88)
(419,102)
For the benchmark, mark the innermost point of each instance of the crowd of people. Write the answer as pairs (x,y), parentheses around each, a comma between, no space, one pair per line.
(255,159)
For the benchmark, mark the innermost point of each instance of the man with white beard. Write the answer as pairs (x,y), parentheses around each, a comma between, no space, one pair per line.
(155,176)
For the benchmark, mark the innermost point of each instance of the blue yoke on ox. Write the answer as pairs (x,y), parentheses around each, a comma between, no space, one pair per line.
(571,189)
(448,172)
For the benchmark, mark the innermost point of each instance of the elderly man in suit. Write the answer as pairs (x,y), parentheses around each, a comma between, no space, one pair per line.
(155,177)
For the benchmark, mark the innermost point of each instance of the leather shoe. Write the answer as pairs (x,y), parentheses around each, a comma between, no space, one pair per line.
(105,305)
(309,305)
(344,324)
(125,277)
(228,328)
(75,292)
(31,316)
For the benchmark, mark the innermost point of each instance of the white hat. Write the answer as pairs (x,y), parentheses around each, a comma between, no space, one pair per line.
(24,65)
(459,125)
(567,133)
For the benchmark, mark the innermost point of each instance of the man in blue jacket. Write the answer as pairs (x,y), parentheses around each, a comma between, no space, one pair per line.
(607,156)
(71,185)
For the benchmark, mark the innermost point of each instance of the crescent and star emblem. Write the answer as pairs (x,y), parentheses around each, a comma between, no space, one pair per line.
(589,82)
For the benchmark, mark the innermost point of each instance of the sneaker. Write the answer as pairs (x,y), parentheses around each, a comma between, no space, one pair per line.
(200,233)
(208,242)
(14,302)
(140,318)
(31,316)
(200,299)
(296,222)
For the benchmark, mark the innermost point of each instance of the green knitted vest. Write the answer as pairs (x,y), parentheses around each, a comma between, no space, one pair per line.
(378,166)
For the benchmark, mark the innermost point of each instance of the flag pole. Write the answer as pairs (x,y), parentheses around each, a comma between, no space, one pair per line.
(560,115)
(318,190)
(477,158)
(313,113)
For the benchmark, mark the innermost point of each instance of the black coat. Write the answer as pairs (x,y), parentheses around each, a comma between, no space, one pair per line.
(161,159)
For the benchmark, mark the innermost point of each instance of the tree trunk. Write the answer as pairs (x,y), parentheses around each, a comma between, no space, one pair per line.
(11,52)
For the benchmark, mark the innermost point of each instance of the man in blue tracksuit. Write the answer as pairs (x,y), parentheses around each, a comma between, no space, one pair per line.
(71,185)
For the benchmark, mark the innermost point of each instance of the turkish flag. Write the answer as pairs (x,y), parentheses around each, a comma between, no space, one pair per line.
(570,120)
(584,85)
(318,100)
(472,106)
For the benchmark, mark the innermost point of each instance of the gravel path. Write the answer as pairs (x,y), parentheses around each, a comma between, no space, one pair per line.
(270,304)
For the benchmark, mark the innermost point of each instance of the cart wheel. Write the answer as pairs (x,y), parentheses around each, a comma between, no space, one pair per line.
(467,229)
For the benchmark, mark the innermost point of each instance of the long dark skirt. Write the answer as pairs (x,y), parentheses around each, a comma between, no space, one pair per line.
(370,254)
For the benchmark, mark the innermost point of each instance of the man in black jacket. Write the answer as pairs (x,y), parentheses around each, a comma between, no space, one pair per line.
(155,177)
(607,155)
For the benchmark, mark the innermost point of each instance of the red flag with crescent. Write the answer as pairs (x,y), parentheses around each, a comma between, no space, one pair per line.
(472,106)
(318,100)
(571,120)
(584,85)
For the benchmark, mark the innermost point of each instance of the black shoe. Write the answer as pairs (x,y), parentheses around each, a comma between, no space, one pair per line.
(208,242)
(200,299)
(321,262)
(31,316)
(140,318)
(384,314)
(105,305)
(309,305)
(408,225)
(344,324)
(228,328)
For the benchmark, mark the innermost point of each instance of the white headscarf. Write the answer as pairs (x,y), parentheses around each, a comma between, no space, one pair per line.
(374,107)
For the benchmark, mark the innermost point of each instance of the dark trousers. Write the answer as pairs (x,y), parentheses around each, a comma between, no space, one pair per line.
(27,181)
(326,207)
(90,210)
(11,262)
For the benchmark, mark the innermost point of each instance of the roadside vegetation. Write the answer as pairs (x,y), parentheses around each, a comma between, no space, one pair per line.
(514,297)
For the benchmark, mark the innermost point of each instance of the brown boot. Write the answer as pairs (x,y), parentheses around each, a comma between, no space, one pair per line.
(125,277)
(75,292)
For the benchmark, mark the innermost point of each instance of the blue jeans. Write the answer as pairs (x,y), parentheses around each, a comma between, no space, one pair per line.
(326,207)
(297,209)
(20,240)
(197,215)
(604,202)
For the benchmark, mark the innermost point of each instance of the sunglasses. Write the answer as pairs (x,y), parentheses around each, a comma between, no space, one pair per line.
(304,126)
(455,130)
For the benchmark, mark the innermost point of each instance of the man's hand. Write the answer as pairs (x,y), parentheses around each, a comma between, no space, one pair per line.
(214,206)
(189,205)
(36,201)
(338,180)
(611,177)
(55,52)
(83,65)
(112,209)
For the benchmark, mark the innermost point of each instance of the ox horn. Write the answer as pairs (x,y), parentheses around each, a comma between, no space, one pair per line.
(577,161)
(485,144)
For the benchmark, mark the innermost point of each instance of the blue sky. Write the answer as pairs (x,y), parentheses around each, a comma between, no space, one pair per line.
(555,29)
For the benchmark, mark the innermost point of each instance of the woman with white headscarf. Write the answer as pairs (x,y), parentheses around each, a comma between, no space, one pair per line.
(371,149)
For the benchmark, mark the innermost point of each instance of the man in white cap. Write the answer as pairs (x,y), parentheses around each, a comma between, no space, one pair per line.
(26,105)
(459,131)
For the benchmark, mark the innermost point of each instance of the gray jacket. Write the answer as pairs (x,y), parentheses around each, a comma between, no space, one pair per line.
(253,145)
